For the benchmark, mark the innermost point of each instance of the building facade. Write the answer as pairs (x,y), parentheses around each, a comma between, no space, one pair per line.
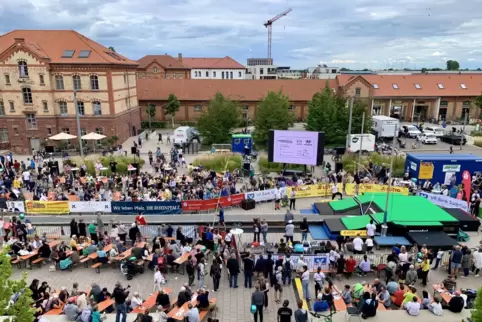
(39,71)
(214,68)
(411,98)
(162,66)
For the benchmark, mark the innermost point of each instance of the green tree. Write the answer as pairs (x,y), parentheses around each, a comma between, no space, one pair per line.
(112,48)
(218,120)
(172,107)
(453,65)
(322,113)
(476,314)
(21,310)
(424,70)
(273,113)
(151,109)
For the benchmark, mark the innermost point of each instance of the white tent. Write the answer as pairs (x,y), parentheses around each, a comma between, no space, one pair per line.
(93,136)
(62,136)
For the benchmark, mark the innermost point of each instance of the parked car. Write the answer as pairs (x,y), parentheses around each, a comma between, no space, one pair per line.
(410,131)
(453,138)
(435,130)
(428,138)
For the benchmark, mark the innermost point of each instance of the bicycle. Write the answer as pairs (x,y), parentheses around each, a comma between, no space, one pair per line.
(319,316)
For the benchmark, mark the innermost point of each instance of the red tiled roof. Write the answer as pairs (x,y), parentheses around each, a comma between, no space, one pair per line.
(212,63)
(51,44)
(242,90)
(428,83)
(166,61)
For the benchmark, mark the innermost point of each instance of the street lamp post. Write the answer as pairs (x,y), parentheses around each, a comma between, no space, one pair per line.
(385,212)
(77,118)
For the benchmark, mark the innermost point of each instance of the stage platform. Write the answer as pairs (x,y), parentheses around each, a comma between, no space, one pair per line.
(433,239)
(467,221)
(385,241)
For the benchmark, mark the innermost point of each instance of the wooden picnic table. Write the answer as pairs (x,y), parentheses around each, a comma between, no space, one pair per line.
(61,309)
(150,301)
(128,252)
(34,253)
(94,256)
(177,313)
(442,291)
(102,306)
(381,307)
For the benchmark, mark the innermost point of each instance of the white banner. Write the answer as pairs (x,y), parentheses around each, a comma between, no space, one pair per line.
(264,195)
(312,261)
(445,201)
(16,206)
(90,206)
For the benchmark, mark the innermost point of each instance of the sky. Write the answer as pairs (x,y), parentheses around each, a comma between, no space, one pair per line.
(356,34)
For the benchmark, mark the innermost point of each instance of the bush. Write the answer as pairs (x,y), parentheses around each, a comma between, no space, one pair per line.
(122,163)
(350,161)
(154,125)
(267,167)
(476,133)
(219,162)
(478,142)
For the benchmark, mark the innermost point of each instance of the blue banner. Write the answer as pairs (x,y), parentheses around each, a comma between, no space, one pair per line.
(147,207)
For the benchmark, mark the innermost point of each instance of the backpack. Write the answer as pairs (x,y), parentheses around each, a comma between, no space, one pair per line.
(273,281)
(287,266)
(160,261)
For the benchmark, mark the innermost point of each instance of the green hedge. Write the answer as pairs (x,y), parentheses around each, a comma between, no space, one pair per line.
(219,162)
(154,125)
(188,123)
(122,163)
(267,167)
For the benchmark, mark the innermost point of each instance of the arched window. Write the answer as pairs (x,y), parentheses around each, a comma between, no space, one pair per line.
(27,95)
(22,69)
(97,107)
(77,82)
(94,82)
(59,82)
(80,108)
(63,108)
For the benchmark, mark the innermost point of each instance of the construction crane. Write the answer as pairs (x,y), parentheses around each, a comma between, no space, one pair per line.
(268,24)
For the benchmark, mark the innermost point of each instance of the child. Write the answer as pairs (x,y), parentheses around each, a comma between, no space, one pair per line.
(44,237)
(346,294)
(30,229)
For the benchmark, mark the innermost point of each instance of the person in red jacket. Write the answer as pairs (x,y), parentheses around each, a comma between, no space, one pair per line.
(350,266)
(140,220)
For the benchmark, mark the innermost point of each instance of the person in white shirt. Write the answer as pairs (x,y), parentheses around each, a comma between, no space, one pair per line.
(403,256)
(158,280)
(319,278)
(334,192)
(369,243)
(300,264)
(371,228)
(136,301)
(413,308)
(435,307)
(357,244)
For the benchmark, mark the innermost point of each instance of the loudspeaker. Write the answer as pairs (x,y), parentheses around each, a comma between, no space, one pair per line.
(133,150)
(49,149)
(247,166)
(248,204)
(338,167)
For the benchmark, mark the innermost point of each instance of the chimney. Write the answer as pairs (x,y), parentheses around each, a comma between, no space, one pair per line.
(179,57)
(19,40)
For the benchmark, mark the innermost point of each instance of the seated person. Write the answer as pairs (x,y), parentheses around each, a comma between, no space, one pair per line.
(392,286)
(137,252)
(358,290)
(282,246)
(369,308)
(44,251)
(399,295)
(182,297)
(102,256)
(364,266)
(54,255)
(136,301)
(456,303)
(346,294)
(435,307)
(321,305)
(163,300)
(90,249)
(408,297)
(413,307)
(203,301)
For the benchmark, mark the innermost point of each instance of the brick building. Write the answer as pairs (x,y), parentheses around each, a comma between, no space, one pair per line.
(412,98)
(162,67)
(39,70)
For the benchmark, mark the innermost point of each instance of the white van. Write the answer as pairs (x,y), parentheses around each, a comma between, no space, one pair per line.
(355,143)
(183,134)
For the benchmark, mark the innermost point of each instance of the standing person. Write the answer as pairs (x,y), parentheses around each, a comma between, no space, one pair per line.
(264,230)
(301,315)
(100,224)
(248,264)
(287,268)
(277,199)
(304,230)
(233,268)
(93,232)
(201,267)
(278,286)
(466,263)
(335,192)
(221,217)
(455,261)
(74,229)
(159,138)
(158,280)
(319,278)
(371,229)
(190,270)
(122,232)
(257,232)
(284,312)
(140,219)
(120,294)
(305,283)
(357,245)
(257,299)
(215,273)
(477,262)
(438,259)
(82,229)
(289,231)
(133,231)
(288,216)
(293,199)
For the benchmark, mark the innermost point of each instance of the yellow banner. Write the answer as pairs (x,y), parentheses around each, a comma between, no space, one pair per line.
(426,170)
(47,207)
(353,233)
(324,190)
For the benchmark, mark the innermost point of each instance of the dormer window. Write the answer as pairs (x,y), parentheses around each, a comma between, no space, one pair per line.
(395,86)
(463,86)
(441,86)
(417,86)
(375,86)
(23,69)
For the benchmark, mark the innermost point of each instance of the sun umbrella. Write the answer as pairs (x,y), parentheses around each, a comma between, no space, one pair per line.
(62,136)
(93,136)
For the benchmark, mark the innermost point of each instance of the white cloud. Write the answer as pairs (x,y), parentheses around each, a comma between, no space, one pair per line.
(360,33)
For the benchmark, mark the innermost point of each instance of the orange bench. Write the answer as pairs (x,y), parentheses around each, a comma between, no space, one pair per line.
(150,302)
(102,306)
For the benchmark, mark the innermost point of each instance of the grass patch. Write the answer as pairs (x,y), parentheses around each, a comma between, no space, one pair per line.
(219,162)
(122,163)
(267,167)
(350,162)
(478,141)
